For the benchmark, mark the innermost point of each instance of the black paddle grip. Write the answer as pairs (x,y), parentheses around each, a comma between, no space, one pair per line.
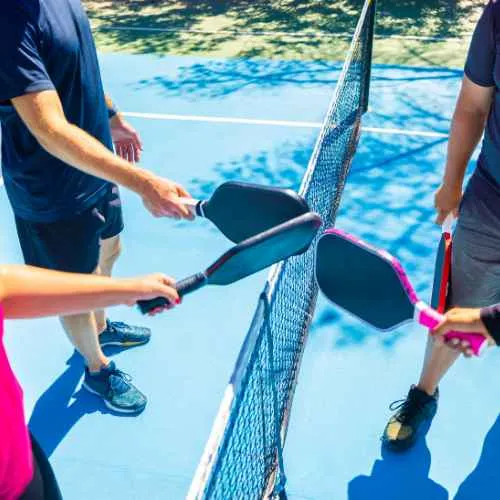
(183,287)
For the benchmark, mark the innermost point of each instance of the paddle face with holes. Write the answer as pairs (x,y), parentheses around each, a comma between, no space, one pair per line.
(241,210)
(250,256)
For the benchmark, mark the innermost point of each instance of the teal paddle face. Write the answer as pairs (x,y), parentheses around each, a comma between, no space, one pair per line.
(261,251)
(242,210)
(362,281)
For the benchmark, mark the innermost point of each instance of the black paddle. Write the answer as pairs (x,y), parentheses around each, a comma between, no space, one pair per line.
(241,210)
(249,257)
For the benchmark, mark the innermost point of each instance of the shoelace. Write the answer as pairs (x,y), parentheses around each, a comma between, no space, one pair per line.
(119,381)
(408,407)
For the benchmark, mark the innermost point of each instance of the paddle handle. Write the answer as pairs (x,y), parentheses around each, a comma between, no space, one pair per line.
(197,206)
(428,317)
(447,226)
(183,287)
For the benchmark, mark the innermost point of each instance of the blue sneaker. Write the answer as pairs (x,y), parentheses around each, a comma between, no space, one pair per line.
(116,389)
(123,335)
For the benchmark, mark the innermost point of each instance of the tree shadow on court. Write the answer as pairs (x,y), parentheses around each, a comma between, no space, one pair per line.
(484,481)
(61,406)
(397,476)
(214,79)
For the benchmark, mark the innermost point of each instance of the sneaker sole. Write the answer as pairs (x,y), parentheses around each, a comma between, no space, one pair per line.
(123,344)
(109,405)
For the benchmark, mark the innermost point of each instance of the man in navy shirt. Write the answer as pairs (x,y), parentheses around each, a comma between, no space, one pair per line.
(60,172)
(476,246)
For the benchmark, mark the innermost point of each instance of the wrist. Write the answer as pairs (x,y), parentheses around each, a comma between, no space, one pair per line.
(142,181)
(112,109)
(453,179)
(131,289)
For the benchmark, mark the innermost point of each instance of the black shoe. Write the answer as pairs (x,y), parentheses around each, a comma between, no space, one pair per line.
(402,430)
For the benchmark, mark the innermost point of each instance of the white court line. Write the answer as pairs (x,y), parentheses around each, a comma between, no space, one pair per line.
(275,123)
(286,34)
(223,119)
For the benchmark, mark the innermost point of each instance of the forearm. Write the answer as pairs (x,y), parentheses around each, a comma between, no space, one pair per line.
(29,292)
(466,131)
(43,114)
(490,316)
(77,148)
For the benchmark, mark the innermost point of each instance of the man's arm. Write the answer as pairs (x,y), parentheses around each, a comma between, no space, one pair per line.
(467,127)
(29,292)
(43,114)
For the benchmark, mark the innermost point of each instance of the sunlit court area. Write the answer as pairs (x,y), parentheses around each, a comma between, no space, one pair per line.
(304,249)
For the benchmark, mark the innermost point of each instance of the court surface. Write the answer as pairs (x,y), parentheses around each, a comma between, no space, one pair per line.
(257,120)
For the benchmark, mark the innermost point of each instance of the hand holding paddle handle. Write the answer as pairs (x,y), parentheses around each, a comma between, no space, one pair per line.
(448,224)
(183,287)
(196,206)
(250,256)
(428,317)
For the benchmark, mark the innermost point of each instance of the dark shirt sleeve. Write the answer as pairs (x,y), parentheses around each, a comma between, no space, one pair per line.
(480,63)
(490,316)
(22,70)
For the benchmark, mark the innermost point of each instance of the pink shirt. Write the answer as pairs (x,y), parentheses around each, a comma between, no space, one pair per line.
(16,467)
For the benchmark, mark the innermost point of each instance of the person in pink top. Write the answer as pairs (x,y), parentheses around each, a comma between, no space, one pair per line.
(30,292)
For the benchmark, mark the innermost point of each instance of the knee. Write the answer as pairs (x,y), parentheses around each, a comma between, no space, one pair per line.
(111,252)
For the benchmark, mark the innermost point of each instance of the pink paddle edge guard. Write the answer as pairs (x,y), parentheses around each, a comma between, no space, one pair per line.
(424,314)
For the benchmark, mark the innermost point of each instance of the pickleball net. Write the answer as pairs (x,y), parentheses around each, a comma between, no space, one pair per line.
(243,457)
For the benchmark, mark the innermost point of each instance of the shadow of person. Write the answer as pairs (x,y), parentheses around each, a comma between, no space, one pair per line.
(399,476)
(59,408)
(484,481)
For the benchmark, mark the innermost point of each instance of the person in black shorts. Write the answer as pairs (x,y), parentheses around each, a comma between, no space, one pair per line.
(475,266)
(61,175)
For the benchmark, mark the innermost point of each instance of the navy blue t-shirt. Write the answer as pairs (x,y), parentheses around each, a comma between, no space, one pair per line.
(483,68)
(48,45)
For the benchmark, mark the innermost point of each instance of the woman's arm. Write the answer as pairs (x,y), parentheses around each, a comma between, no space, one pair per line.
(29,292)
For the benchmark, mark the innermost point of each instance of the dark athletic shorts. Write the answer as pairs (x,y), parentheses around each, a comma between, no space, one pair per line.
(475,269)
(72,245)
(44,485)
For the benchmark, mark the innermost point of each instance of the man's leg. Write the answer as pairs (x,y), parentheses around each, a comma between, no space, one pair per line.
(109,253)
(439,358)
(73,246)
(115,333)
(475,283)
(82,332)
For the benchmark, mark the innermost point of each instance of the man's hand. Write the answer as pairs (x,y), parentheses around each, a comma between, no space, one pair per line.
(446,200)
(127,142)
(161,197)
(462,320)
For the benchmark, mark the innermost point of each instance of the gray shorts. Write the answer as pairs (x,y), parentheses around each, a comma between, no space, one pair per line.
(475,269)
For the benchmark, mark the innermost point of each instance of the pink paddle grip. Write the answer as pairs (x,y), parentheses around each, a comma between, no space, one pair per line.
(431,318)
